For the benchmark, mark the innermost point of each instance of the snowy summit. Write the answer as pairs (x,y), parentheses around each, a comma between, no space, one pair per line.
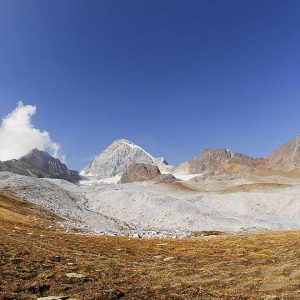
(117,157)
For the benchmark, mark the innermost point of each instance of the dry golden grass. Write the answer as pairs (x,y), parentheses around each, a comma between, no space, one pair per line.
(185,186)
(262,186)
(34,260)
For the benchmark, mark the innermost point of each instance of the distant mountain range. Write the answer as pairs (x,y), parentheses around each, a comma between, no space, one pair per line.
(121,153)
(220,160)
(118,156)
(286,158)
(39,164)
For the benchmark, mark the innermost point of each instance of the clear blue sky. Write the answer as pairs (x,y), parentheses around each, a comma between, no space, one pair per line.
(173,76)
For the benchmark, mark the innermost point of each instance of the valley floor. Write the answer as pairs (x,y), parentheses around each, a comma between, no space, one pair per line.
(37,257)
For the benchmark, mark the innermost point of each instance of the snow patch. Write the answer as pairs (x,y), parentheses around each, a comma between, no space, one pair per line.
(138,147)
(90,180)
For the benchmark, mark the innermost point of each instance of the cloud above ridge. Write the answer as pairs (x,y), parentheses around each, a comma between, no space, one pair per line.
(18,136)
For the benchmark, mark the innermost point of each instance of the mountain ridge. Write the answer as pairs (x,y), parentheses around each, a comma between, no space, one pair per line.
(121,153)
(39,164)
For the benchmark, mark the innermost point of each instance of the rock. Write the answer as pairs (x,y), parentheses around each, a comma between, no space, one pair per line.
(75,275)
(157,257)
(169,258)
(140,172)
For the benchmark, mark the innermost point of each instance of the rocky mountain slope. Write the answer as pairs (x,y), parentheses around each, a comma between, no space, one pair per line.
(218,161)
(287,157)
(117,157)
(39,164)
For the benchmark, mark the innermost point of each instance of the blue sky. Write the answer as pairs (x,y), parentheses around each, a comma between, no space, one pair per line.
(173,76)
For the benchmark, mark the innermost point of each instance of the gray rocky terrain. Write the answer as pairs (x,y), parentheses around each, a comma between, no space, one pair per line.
(61,197)
(152,209)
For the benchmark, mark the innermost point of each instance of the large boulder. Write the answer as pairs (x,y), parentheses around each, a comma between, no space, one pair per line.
(140,172)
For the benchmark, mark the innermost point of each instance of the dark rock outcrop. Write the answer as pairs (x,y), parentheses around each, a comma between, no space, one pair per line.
(40,164)
(140,172)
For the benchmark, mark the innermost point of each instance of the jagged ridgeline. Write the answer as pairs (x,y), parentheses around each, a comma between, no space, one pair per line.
(40,164)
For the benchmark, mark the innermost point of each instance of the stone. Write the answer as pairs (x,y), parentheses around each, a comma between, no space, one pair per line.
(169,258)
(75,275)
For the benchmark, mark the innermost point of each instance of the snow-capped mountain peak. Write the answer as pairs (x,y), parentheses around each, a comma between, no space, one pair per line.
(117,157)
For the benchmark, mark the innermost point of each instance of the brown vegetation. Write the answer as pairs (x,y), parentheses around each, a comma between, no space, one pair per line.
(261,186)
(35,256)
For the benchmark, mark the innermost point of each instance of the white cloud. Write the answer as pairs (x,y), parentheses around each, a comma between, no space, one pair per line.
(18,136)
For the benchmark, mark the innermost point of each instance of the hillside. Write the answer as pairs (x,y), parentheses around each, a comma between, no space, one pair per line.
(36,256)
(219,160)
(286,157)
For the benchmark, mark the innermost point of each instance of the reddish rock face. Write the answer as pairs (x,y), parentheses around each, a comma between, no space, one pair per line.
(220,160)
(287,157)
(140,172)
